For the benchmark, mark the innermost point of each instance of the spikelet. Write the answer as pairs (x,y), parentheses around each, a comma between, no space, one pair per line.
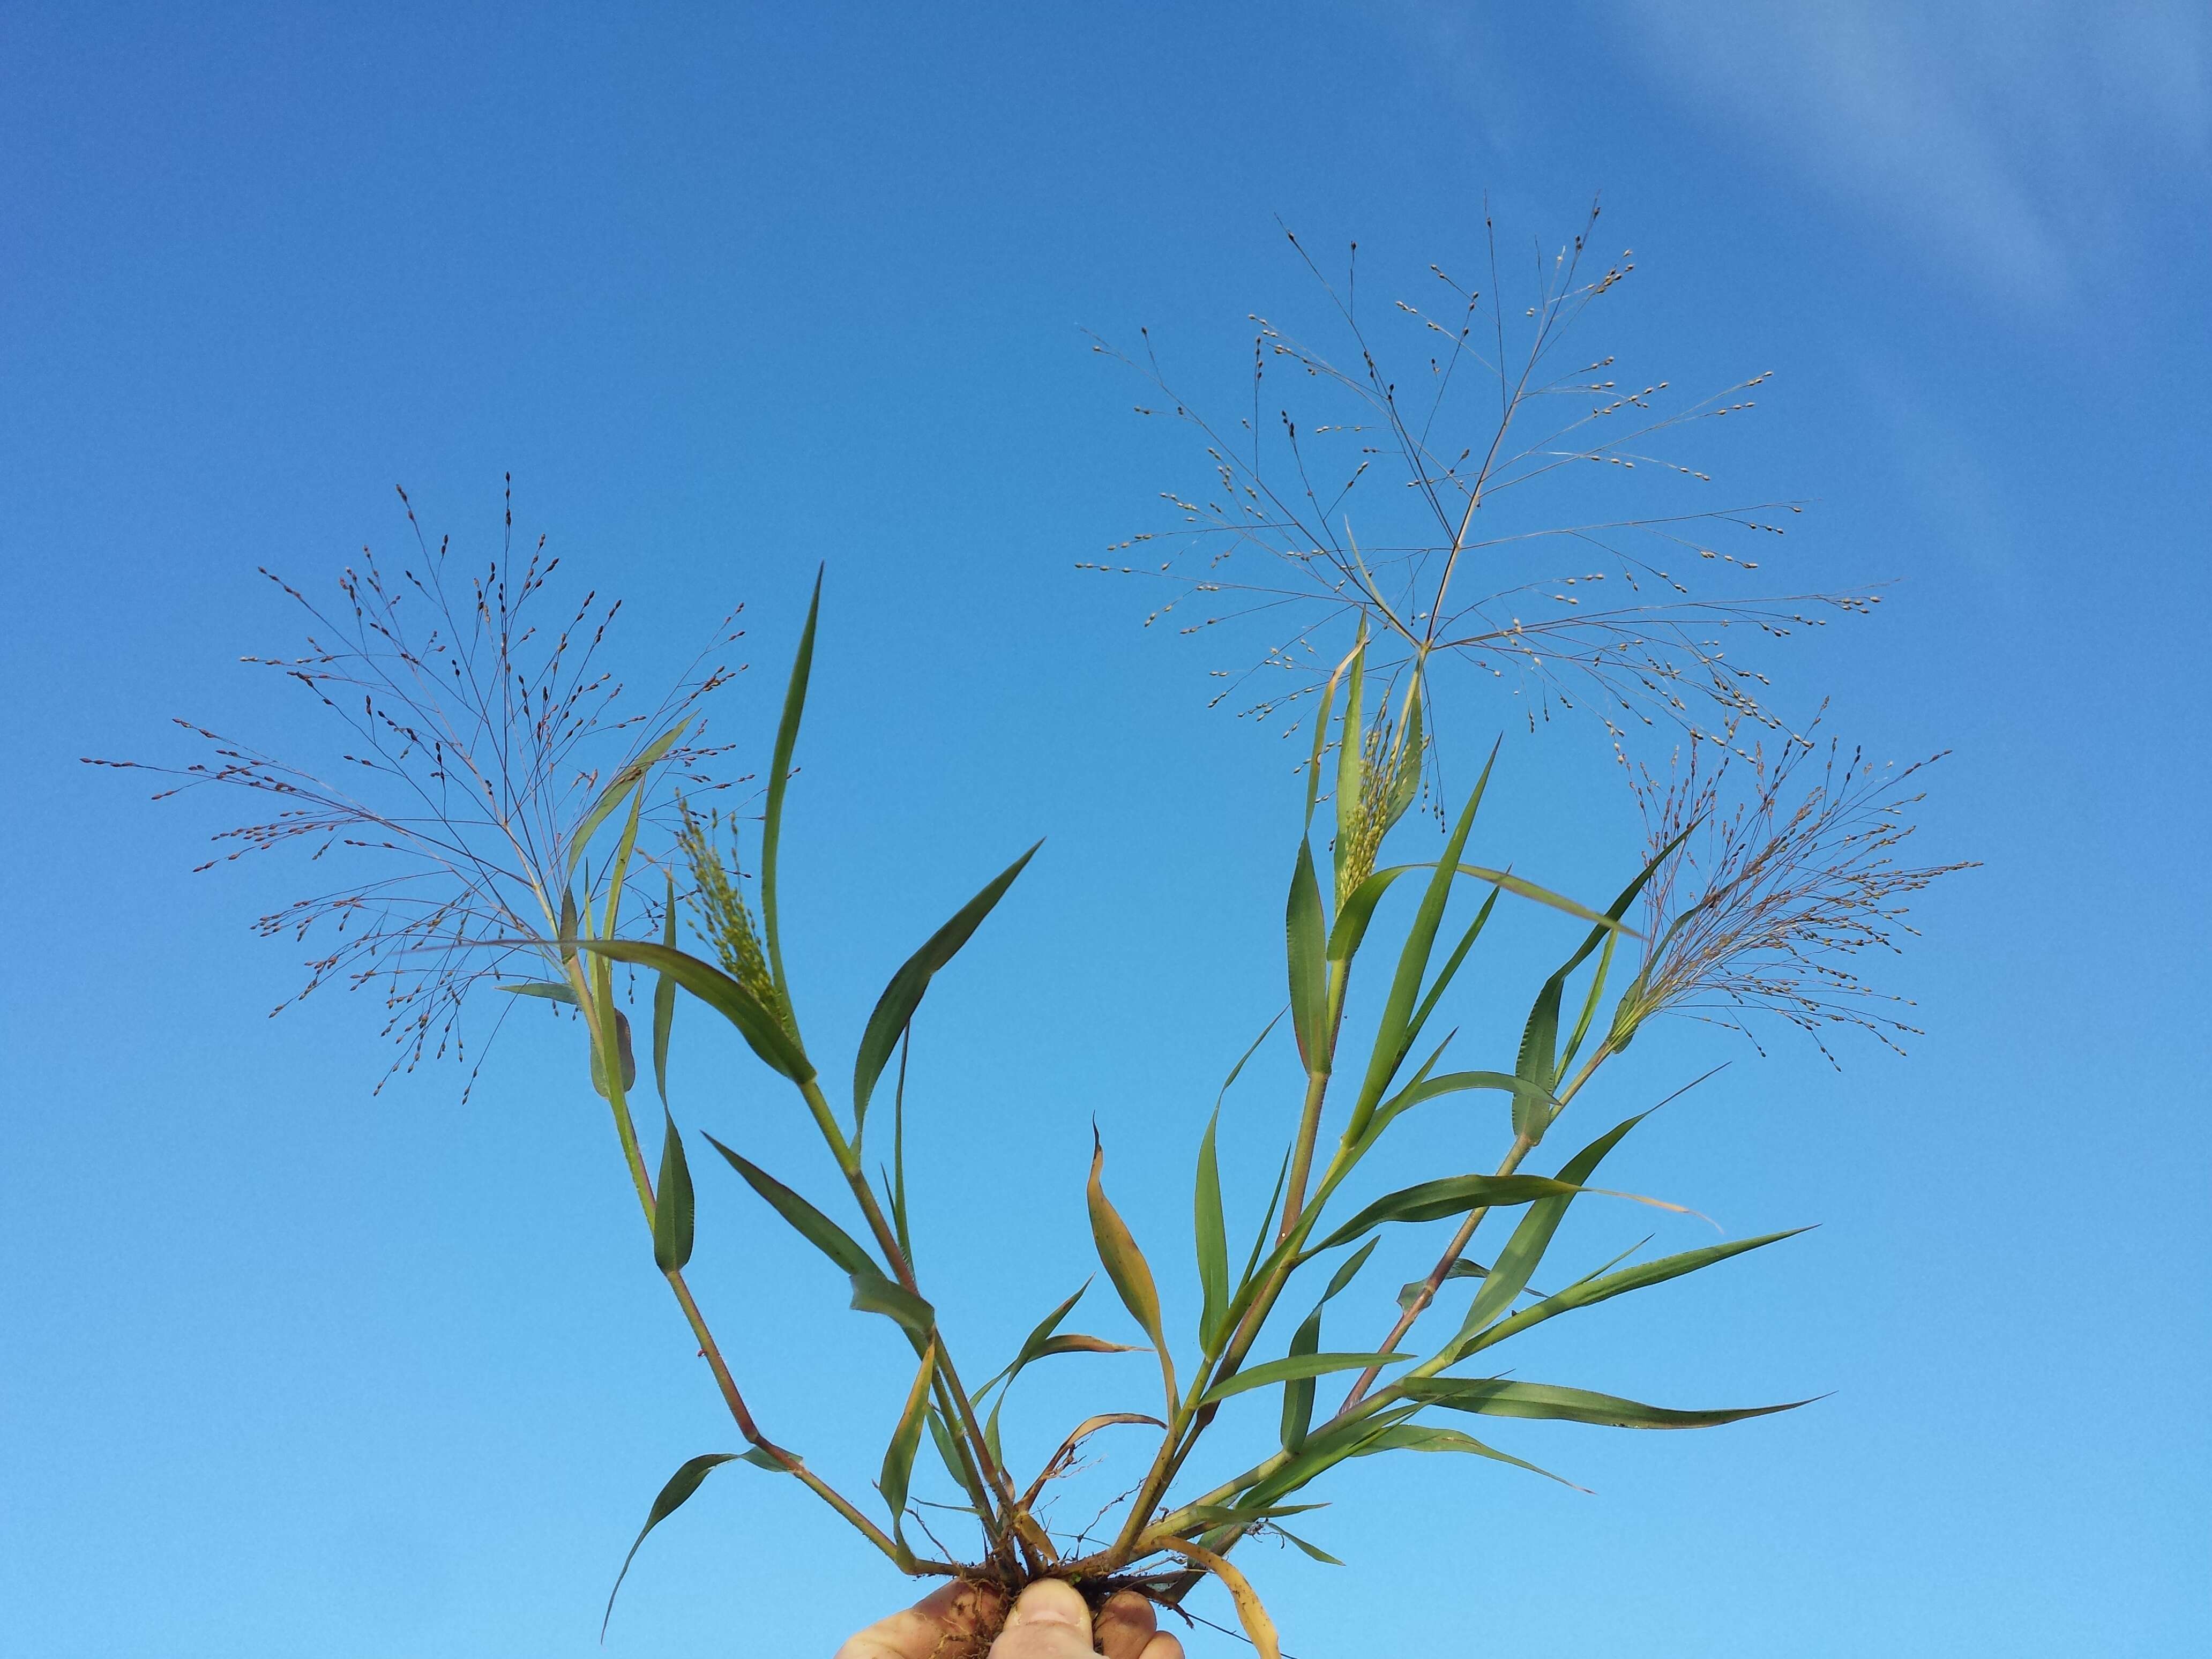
(719,904)
(1389,782)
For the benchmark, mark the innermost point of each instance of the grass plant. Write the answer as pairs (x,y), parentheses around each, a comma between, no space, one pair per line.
(534,837)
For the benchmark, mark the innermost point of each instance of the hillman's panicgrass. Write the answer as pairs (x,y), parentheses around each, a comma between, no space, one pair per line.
(517,861)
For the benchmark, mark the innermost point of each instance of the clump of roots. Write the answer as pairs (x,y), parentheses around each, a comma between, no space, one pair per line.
(976,1606)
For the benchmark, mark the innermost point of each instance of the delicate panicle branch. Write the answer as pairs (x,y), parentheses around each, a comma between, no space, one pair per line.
(1790,868)
(1397,437)
(477,739)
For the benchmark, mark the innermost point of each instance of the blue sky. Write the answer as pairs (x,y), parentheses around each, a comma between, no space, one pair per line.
(290,1368)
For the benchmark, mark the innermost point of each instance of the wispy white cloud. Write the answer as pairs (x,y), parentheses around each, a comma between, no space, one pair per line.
(2011,141)
(2009,138)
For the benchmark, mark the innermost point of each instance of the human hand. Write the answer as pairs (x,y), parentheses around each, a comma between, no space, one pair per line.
(1051,1621)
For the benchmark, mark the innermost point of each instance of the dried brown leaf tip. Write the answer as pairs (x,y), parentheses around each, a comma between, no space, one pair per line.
(472,730)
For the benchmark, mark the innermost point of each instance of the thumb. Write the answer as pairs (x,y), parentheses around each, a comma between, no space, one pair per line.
(1051,1621)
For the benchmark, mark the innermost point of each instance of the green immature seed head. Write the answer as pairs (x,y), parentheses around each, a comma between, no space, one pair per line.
(1390,781)
(723,915)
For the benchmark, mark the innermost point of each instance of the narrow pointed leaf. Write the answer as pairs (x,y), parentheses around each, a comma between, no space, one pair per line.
(628,1057)
(1210,1515)
(1503,1397)
(948,1453)
(1295,1367)
(874,1293)
(1537,1063)
(1422,1437)
(1517,1263)
(673,1496)
(1076,1342)
(1452,963)
(1324,1452)
(763,1030)
(817,1229)
(906,1439)
(617,872)
(1033,1344)
(779,778)
(1211,1233)
(1405,782)
(1320,719)
(1591,1000)
(1307,945)
(552,991)
(1431,1200)
(1525,889)
(1604,1287)
(1314,1549)
(1298,1393)
(1395,1032)
(1410,1291)
(1207,1224)
(899,1213)
(611,797)
(904,992)
(1126,1266)
(1427,1089)
(672,1205)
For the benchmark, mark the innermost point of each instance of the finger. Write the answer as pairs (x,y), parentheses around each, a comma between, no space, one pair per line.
(922,1631)
(1163,1646)
(1051,1621)
(1124,1625)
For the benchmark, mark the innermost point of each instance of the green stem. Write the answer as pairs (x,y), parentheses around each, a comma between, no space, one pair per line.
(1294,1193)
(1317,1081)
(603,1041)
(953,1397)
(1521,1147)
(1357,1405)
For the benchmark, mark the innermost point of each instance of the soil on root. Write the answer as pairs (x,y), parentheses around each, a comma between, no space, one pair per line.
(999,1589)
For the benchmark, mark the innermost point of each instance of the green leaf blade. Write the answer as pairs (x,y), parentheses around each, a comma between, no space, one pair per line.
(551,990)
(1603,1288)
(1211,1233)
(673,1496)
(817,1229)
(896,1005)
(1307,945)
(763,1032)
(779,780)
(1432,1200)
(673,1211)
(631,777)
(1294,1368)
(1125,1264)
(1503,1397)
(874,1293)
(628,1057)
(897,1471)
(1518,1262)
